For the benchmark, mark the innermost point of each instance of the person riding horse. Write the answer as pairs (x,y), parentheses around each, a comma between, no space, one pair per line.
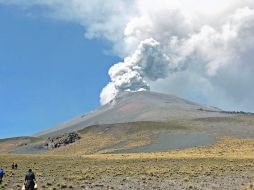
(30,180)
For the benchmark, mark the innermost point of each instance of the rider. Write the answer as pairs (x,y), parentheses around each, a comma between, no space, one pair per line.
(2,172)
(30,180)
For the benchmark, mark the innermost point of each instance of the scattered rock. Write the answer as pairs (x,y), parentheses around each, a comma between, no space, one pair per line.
(62,140)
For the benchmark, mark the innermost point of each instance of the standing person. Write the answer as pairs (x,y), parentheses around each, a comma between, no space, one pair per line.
(30,180)
(13,166)
(16,166)
(2,172)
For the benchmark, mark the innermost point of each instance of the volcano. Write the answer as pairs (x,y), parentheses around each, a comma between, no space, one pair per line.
(137,106)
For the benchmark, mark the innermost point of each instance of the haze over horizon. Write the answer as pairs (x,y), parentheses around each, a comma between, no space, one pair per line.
(55,55)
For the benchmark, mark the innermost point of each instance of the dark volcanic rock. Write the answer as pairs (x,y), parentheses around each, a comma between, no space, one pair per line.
(62,140)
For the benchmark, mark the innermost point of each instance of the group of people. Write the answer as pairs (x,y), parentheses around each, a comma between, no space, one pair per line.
(30,180)
(14,166)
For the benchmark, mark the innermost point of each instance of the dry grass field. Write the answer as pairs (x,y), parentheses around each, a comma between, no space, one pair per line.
(228,164)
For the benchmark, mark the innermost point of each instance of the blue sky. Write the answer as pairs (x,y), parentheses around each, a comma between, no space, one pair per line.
(49,72)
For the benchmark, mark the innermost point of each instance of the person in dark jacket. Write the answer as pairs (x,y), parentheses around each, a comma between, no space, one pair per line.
(30,180)
(16,166)
(2,172)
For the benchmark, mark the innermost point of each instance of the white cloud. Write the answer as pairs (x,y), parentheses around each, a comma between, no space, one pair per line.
(198,49)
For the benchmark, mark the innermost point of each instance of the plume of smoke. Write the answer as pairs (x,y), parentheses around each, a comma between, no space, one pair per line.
(148,62)
(197,49)
(219,55)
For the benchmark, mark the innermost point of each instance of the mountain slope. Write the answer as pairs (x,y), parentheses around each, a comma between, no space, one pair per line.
(137,106)
(141,122)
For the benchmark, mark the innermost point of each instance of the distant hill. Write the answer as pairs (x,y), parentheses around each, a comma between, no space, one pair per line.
(10,145)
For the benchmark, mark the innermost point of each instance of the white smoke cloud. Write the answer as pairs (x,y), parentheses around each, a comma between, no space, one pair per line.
(101,19)
(203,50)
(147,62)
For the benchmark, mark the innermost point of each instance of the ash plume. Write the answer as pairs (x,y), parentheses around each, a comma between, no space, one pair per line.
(148,62)
(202,50)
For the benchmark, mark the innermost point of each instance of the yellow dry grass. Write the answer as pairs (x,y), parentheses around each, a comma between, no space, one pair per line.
(226,147)
(227,164)
(100,143)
